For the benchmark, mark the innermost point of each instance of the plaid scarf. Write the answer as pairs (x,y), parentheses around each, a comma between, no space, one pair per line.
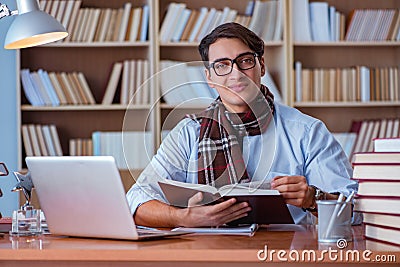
(220,159)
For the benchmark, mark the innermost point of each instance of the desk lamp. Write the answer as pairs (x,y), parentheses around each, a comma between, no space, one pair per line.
(31,27)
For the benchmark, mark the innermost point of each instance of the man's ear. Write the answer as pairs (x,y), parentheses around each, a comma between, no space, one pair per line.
(208,76)
(262,65)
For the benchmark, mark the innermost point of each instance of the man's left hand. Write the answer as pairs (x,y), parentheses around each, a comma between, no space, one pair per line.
(294,190)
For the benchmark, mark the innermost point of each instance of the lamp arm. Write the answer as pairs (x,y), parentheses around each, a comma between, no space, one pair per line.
(5,11)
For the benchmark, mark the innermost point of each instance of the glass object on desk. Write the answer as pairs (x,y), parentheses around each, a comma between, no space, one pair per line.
(26,242)
(26,221)
(334,221)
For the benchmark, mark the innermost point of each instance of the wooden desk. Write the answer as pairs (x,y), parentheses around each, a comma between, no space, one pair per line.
(193,250)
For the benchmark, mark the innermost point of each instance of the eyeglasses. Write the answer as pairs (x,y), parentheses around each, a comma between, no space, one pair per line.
(244,61)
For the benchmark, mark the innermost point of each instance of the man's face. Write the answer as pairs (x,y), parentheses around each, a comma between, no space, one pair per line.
(238,88)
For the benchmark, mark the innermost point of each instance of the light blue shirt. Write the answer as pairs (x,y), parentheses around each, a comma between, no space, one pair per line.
(294,144)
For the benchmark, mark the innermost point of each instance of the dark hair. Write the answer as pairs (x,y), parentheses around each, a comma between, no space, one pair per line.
(231,30)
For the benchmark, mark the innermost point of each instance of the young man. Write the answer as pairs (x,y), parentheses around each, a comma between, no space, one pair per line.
(232,142)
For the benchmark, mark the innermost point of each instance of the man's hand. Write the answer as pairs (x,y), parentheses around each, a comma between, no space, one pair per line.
(294,189)
(212,215)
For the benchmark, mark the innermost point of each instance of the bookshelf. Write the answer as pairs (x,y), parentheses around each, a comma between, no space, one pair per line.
(339,115)
(95,60)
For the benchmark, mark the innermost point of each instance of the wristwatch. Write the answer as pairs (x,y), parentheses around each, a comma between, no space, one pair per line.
(318,195)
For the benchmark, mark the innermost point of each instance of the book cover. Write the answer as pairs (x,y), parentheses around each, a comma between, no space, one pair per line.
(268,206)
(387,144)
(112,84)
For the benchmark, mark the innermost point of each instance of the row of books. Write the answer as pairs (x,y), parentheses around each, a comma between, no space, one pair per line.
(363,133)
(378,196)
(41,140)
(131,149)
(185,82)
(81,147)
(320,22)
(370,130)
(184,24)
(374,25)
(358,83)
(44,88)
(131,76)
(316,21)
(89,24)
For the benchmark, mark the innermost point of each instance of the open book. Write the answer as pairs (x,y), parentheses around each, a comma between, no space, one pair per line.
(268,206)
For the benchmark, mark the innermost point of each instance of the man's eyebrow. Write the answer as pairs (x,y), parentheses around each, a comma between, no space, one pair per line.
(221,59)
(227,58)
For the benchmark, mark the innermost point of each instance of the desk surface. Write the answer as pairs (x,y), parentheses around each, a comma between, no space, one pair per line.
(290,240)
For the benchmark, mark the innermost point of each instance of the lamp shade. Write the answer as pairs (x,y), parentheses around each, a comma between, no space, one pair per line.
(32,27)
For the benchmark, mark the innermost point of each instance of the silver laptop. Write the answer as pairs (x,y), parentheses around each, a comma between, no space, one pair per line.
(84,196)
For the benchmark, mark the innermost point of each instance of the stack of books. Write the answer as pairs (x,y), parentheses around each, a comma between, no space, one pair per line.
(378,197)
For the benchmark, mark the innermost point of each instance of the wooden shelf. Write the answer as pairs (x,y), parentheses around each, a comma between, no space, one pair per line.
(84,107)
(348,104)
(347,43)
(97,44)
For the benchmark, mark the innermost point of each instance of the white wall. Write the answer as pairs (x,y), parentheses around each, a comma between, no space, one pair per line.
(9,133)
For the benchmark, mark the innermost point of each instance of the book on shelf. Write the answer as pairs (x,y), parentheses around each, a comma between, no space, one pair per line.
(41,140)
(144,24)
(131,149)
(27,141)
(268,206)
(81,147)
(383,233)
(73,20)
(112,84)
(124,22)
(131,77)
(373,25)
(248,230)
(346,141)
(179,85)
(55,89)
(134,25)
(67,13)
(357,83)
(105,24)
(387,144)
(301,21)
(369,130)
(319,21)
(31,94)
